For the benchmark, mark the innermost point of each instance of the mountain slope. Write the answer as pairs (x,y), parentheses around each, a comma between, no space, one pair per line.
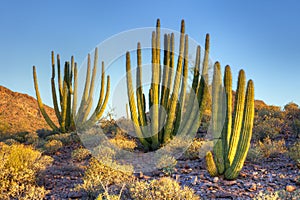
(20,113)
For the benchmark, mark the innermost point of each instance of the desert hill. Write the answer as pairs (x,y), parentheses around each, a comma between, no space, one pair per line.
(20,113)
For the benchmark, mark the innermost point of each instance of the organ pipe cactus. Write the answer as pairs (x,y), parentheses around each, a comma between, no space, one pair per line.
(66,109)
(231,148)
(166,92)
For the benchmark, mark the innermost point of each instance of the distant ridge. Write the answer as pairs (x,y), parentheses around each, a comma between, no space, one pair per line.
(20,113)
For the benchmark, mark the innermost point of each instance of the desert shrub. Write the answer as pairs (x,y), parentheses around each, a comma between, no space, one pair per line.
(294,153)
(19,166)
(65,138)
(271,148)
(11,141)
(98,174)
(32,139)
(254,154)
(167,164)
(52,146)
(268,122)
(106,196)
(292,117)
(164,188)
(123,143)
(80,154)
(193,150)
(280,194)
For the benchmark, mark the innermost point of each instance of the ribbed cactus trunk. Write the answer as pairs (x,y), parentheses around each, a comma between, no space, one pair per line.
(231,148)
(65,109)
(165,92)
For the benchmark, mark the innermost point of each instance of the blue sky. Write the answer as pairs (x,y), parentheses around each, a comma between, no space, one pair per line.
(262,37)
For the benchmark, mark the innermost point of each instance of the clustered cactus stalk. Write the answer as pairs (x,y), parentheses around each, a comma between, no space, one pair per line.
(161,94)
(66,110)
(231,148)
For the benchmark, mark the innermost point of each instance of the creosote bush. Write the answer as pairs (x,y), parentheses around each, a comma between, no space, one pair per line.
(164,188)
(80,154)
(294,153)
(98,175)
(19,166)
(269,148)
(52,146)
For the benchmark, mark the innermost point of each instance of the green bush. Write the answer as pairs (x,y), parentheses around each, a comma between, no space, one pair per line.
(164,188)
(294,153)
(52,146)
(19,166)
(268,122)
(65,138)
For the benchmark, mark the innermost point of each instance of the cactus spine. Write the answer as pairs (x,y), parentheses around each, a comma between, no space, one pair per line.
(231,148)
(165,92)
(67,115)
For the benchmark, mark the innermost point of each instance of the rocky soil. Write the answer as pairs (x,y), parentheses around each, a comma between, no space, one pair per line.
(271,174)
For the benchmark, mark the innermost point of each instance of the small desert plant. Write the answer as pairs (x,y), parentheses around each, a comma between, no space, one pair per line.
(122,142)
(32,139)
(52,146)
(99,174)
(193,150)
(164,188)
(20,165)
(294,153)
(11,141)
(268,122)
(278,195)
(80,154)
(65,138)
(271,148)
(167,164)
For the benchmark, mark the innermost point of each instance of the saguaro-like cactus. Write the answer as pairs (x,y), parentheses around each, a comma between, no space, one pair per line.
(166,92)
(231,149)
(66,110)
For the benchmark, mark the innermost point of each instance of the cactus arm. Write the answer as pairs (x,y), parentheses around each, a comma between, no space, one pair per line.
(206,58)
(84,103)
(94,73)
(246,133)
(196,70)
(60,89)
(155,90)
(101,111)
(74,106)
(215,99)
(164,97)
(40,103)
(172,64)
(210,163)
(54,97)
(64,107)
(226,132)
(219,156)
(174,96)
(132,105)
(238,116)
(139,91)
(166,70)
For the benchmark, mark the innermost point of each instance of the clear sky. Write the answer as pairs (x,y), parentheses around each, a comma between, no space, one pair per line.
(260,36)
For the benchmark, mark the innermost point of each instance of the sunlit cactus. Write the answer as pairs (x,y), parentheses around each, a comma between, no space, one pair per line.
(167,91)
(231,149)
(66,108)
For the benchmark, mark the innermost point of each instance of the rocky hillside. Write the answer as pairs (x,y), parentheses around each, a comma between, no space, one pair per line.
(20,113)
